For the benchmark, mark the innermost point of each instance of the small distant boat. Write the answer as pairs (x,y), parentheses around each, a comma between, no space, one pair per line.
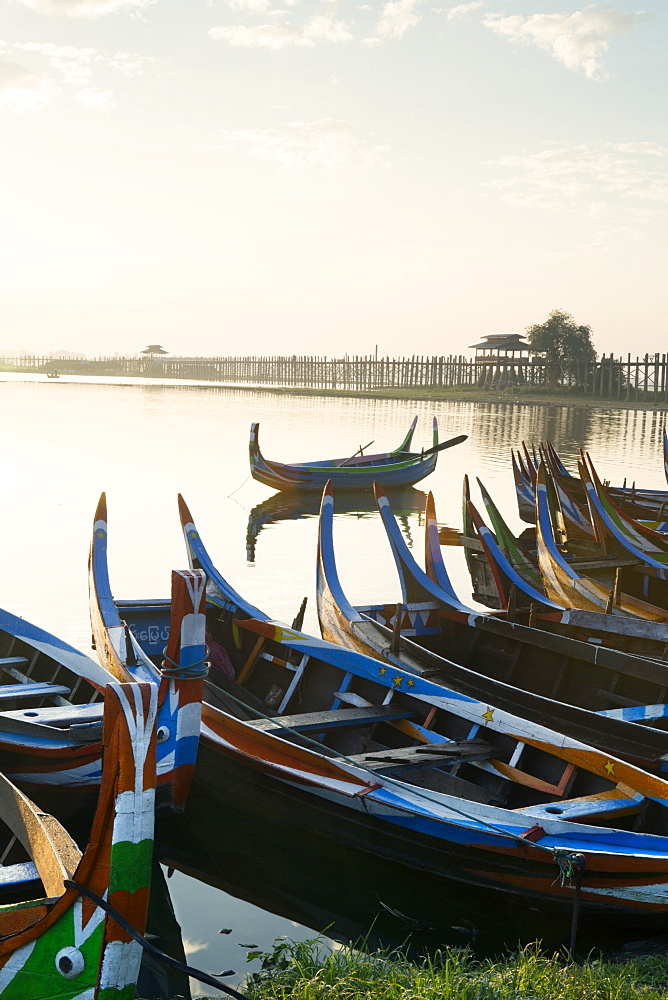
(56,940)
(52,375)
(400,467)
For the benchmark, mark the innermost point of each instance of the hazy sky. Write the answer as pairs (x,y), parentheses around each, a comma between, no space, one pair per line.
(321,176)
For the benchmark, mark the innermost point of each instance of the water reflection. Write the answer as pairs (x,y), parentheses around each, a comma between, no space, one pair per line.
(295,505)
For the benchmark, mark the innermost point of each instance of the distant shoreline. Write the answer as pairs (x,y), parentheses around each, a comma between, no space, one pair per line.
(426,394)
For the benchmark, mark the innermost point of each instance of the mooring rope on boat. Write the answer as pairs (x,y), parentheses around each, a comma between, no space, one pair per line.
(160,956)
(561,855)
(191,672)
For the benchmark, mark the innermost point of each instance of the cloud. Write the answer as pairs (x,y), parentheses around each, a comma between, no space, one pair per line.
(253,6)
(260,36)
(74,64)
(21,90)
(281,34)
(578,40)
(586,178)
(324,144)
(463,10)
(85,8)
(397,17)
(96,100)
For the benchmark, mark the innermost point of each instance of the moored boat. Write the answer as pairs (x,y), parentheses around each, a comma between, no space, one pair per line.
(556,681)
(401,467)
(407,770)
(51,700)
(60,943)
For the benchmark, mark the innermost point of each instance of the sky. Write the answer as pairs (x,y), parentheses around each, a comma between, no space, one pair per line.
(327,176)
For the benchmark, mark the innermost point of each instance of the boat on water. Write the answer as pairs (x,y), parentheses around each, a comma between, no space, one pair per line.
(399,767)
(626,587)
(56,941)
(52,703)
(401,467)
(554,680)
(500,557)
(642,504)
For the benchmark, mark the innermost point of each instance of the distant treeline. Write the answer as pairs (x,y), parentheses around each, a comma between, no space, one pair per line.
(641,378)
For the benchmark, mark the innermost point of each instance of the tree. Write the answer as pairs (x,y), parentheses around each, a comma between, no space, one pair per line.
(566,347)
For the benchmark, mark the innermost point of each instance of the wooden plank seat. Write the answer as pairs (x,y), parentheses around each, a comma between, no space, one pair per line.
(32,689)
(425,755)
(335,719)
(619,801)
(81,723)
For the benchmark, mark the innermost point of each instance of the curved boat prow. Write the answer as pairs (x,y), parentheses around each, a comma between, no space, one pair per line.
(329,593)
(416,586)
(218,589)
(505,577)
(406,443)
(433,557)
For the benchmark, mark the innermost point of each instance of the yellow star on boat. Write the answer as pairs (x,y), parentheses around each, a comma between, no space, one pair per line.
(382,671)
(410,684)
(397,681)
(610,767)
(192,534)
(100,534)
(489,714)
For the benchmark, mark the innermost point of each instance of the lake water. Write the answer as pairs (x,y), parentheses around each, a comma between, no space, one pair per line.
(142,442)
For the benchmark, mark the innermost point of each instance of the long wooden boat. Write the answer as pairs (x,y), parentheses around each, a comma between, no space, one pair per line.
(54,941)
(404,769)
(566,585)
(589,692)
(52,701)
(615,529)
(641,504)
(401,467)
(526,603)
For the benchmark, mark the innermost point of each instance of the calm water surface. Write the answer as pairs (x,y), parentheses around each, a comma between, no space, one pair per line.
(66,441)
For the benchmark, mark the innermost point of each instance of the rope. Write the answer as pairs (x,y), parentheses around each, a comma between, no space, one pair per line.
(238,488)
(276,720)
(167,960)
(191,672)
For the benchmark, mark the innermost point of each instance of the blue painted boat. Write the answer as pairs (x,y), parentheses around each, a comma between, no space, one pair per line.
(399,767)
(51,706)
(400,467)
(495,657)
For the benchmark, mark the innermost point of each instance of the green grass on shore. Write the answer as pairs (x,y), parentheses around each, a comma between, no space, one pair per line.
(307,971)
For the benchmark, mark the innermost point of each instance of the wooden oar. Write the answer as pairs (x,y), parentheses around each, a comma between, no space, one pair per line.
(446,444)
(360,451)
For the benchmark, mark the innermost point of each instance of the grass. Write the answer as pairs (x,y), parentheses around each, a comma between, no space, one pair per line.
(307,971)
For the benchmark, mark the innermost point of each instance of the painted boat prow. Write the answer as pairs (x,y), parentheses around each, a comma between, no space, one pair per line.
(75,950)
(434,561)
(328,585)
(415,584)
(219,591)
(504,575)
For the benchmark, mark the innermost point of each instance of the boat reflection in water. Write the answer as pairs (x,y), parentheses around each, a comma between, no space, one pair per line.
(292,505)
(303,865)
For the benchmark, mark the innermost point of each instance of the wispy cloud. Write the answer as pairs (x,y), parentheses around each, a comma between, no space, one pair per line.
(586,178)
(86,8)
(324,144)
(464,10)
(191,947)
(279,33)
(21,90)
(578,40)
(397,17)
(96,100)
